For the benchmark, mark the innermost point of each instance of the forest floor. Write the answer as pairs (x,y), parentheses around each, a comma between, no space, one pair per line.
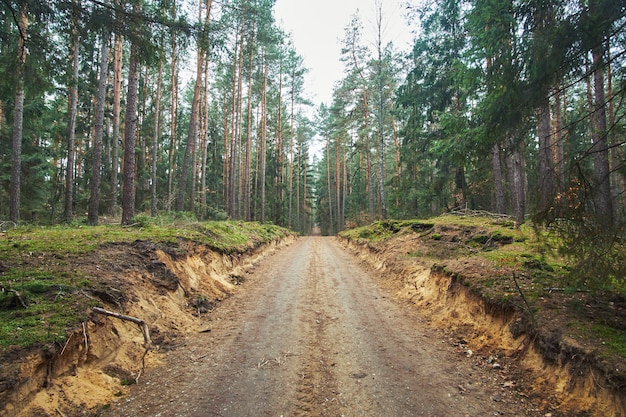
(405,325)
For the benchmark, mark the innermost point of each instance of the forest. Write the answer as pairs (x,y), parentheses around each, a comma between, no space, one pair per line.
(123,108)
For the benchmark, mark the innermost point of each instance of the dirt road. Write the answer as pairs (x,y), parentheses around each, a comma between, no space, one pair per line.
(311,334)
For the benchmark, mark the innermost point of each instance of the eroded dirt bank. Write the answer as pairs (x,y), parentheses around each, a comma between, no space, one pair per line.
(312,334)
(556,374)
(170,288)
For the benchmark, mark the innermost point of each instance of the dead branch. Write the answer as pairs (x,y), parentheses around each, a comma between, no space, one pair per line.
(141,323)
(144,330)
(86,340)
(18,297)
(66,343)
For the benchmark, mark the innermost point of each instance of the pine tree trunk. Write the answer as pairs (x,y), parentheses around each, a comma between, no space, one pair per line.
(602,184)
(330,194)
(115,140)
(96,165)
(618,183)
(558,145)
(71,119)
(204,142)
(547,186)
(128,180)
(18,117)
(115,135)
(278,178)
(171,155)
(338,182)
(291,138)
(263,139)
(247,197)
(155,142)
(517,182)
(498,180)
(381,136)
(192,137)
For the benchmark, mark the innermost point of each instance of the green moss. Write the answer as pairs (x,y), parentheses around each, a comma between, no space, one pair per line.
(36,268)
(614,339)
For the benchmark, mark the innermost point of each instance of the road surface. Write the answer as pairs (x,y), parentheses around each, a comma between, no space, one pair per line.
(311,334)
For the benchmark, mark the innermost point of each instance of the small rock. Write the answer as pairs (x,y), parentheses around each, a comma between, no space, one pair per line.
(496,366)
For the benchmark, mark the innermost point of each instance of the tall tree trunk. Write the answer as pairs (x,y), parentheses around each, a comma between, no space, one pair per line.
(96,165)
(18,117)
(155,142)
(115,140)
(263,138)
(128,180)
(204,142)
(498,180)
(517,181)
(558,143)
(344,196)
(71,116)
(381,103)
(192,135)
(618,184)
(226,167)
(338,181)
(330,194)
(171,155)
(291,138)
(278,179)
(234,122)
(396,141)
(247,197)
(602,183)
(369,185)
(547,181)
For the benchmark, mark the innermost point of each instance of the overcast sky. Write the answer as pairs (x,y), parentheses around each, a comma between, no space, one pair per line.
(317,28)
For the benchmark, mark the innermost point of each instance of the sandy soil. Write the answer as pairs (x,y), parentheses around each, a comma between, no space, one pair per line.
(311,333)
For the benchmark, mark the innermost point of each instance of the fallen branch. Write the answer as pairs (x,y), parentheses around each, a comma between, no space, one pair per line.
(521,293)
(142,324)
(144,330)
(17,296)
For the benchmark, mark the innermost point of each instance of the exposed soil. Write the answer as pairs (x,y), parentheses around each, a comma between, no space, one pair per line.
(322,327)
(559,360)
(170,287)
(313,334)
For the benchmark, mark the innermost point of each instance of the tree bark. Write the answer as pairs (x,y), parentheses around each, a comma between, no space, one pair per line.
(517,181)
(71,117)
(498,180)
(547,181)
(18,117)
(128,191)
(171,156)
(96,165)
(247,198)
(602,183)
(192,136)
(330,198)
(155,143)
(115,140)
(263,138)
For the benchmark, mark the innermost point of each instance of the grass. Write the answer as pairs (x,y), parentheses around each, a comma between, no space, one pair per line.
(459,245)
(37,264)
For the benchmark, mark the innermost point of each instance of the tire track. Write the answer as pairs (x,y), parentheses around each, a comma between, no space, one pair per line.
(311,334)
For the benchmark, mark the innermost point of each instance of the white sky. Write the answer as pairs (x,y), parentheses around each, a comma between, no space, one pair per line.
(317,28)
